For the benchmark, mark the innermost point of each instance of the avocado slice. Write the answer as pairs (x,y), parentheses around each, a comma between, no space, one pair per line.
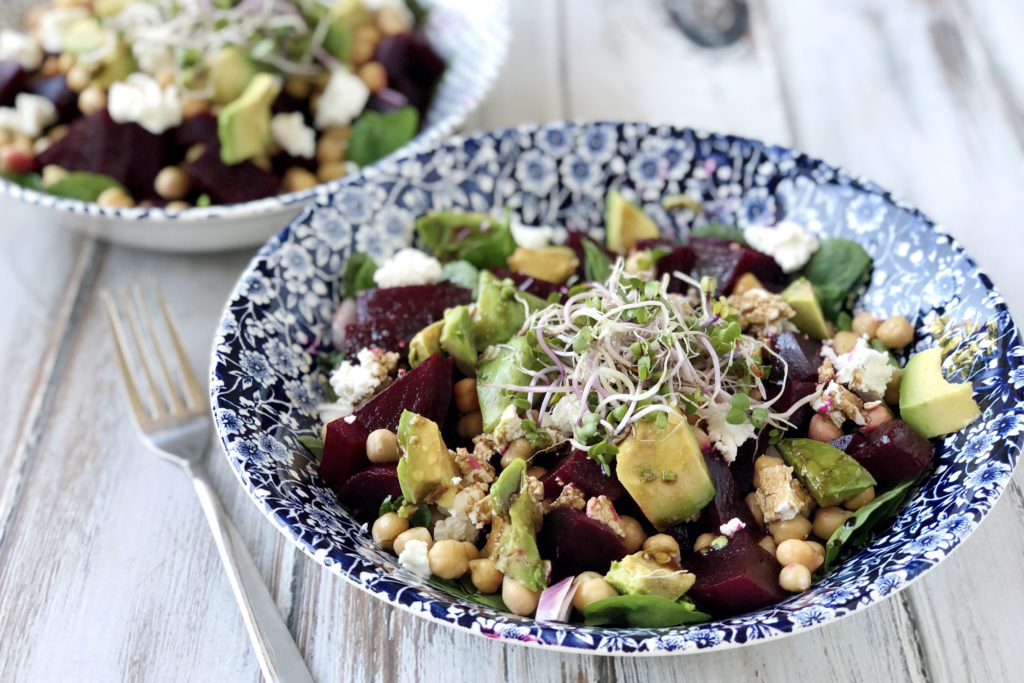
(426,468)
(664,471)
(501,310)
(506,367)
(518,556)
(345,17)
(830,475)
(426,343)
(458,339)
(809,318)
(637,575)
(116,66)
(231,69)
(244,125)
(554,264)
(85,36)
(510,481)
(929,403)
(625,223)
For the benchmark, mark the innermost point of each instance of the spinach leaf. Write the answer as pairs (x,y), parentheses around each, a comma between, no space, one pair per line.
(836,270)
(86,187)
(461,273)
(642,611)
(421,517)
(482,240)
(596,265)
(390,505)
(314,445)
(374,135)
(419,12)
(30,181)
(858,528)
(359,272)
(464,588)
(720,231)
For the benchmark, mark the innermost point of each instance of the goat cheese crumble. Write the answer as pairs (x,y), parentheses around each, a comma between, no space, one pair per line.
(30,115)
(354,383)
(293,135)
(342,101)
(406,267)
(140,99)
(510,428)
(414,558)
(531,236)
(562,418)
(54,23)
(863,370)
(18,47)
(727,437)
(730,528)
(787,242)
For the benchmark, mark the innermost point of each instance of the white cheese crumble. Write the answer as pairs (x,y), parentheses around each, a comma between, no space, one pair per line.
(510,428)
(531,236)
(563,416)
(727,437)
(54,23)
(838,404)
(779,495)
(731,527)
(153,58)
(354,383)
(458,526)
(140,99)
(787,242)
(414,558)
(30,115)
(863,370)
(342,101)
(293,135)
(21,48)
(406,267)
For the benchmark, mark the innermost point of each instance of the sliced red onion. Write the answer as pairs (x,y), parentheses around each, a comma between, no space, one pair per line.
(556,601)
(345,315)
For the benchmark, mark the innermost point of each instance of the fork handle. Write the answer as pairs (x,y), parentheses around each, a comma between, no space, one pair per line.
(278,655)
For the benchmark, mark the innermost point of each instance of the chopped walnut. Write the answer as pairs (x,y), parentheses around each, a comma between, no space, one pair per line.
(779,495)
(481,511)
(570,497)
(762,312)
(839,404)
(484,447)
(826,373)
(472,468)
(601,509)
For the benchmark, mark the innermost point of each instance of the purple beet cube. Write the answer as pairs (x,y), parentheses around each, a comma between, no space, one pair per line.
(585,474)
(738,578)
(197,130)
(430,301)
(801,354)
(727,261)
(893,452)
(388,332)
(680,259)
(12,81)
(848,443)
(412,65)
(533,285)
(244,182)
(791,393)
(729,501)
(344,452)
(576,543)
(387,100)
(364,493)
(57,91)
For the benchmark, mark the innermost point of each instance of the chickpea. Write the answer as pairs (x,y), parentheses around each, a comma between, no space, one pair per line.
(860,500)
(92,100)
(865,324)
(338,133)
(592,590)
(795,578)
(795,551)
(172,183)
(818,548)
(387,528)
(53,174)
(828,519)
(115,198)
(470,425)
(876,417)
(472,552)
(65,62)
(448,559)
(298,87)
(332,171)
(466,399)
(330,150)
(517,450)
(703,541)
(194,152)
(755,510)
(518,598)
(58,133)
(165,78)
(50,67)
(192,107)
(391,21)
(895,332)
(635,535)
(374,75)
(263,162)
(662,548)
(892,390)
(178,207)
(766,461)
(536,472)
(822,428)
(417,533)
(844,341)
(297,179)
(768,545)
(382,446)
(362,49)
(485,575)
(77,79)
(782,530)
(745,283)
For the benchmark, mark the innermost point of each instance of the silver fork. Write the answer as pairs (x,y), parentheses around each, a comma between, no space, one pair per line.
(175,423)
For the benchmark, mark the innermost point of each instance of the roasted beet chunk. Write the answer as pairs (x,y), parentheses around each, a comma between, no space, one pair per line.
(57,91)
(680,259)
(893,452)
(585,474)
(196,130)
(413,67)
(387,332)
(729,500)
(235,184)
(791,393)
(801,354)
(366,490)
(576,543)
(726,261)
(12,81)
(413,300)
(738,578)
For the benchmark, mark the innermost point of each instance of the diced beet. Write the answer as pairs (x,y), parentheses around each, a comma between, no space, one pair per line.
(726,261)
(366,490)
(412,65)
(413,300)
(893,452)
(425,390)
(388,332)
(200,129)
(286,104)
(533,285)
(576,543)
(801,354)
(680,259)
(225,184)
(126,152)
(686,533)
(57,91)
(791,393)
(848,443)
(12,81)
(729,499)
(585,474)
(387,100)
(738,578)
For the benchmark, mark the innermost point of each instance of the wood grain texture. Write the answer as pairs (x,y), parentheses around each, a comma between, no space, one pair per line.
(107,570)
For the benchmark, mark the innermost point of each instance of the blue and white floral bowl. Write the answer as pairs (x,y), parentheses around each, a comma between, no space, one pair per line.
(473,38)
(265,386)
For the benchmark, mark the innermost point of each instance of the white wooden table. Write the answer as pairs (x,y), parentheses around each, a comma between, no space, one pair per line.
(107,570)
